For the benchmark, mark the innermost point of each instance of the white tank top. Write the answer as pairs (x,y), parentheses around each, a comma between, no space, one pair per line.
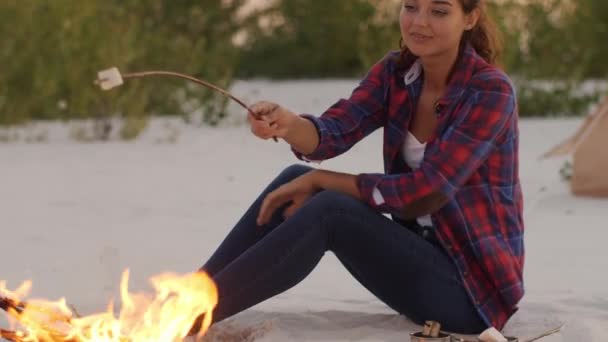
(413,153)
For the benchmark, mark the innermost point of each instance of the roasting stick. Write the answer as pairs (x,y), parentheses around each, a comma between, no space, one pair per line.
(110,78)
(545,334)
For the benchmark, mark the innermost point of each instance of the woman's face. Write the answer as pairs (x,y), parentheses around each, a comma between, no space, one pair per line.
(434,27)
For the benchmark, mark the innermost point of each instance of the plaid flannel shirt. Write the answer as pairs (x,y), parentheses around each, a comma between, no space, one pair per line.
(472,159)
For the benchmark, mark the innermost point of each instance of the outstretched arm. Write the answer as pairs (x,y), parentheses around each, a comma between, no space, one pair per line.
(338,128)
(272,120)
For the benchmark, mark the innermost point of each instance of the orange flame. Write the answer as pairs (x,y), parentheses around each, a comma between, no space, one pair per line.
(168,316)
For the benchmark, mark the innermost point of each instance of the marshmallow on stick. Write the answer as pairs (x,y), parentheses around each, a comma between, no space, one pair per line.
(112,78)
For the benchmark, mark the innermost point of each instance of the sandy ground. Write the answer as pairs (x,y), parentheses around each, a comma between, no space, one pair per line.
(75,215)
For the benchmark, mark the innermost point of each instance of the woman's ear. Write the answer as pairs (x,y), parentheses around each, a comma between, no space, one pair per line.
(471,19)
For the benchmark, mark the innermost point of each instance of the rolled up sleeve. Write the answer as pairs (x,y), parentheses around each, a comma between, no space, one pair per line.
(350,120)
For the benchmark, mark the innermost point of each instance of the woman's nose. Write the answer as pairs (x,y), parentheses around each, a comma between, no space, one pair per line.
(420,18)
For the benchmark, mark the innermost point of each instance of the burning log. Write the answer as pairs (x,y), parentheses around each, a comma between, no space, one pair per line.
(167,315)
(16,308)
(7,303)
(19,337)
(10,335)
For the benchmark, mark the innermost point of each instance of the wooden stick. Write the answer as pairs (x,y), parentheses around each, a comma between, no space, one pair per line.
(189,78)
(74,311)
(8,303)
(195,80)
(545,334)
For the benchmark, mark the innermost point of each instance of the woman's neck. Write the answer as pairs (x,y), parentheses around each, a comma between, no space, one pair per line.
(437,70)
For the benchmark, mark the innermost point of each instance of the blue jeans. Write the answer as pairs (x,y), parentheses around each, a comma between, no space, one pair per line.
(405,271)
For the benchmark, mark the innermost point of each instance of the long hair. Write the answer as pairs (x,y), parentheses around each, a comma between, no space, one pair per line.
(484,37)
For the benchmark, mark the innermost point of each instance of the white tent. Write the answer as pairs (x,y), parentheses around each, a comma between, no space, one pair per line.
(589,150)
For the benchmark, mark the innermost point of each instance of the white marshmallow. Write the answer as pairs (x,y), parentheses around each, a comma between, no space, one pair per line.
(109,78)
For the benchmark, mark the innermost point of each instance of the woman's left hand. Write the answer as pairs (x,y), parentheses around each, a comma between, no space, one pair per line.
(298,191)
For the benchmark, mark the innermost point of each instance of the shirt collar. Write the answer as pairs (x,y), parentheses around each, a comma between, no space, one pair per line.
(461,74)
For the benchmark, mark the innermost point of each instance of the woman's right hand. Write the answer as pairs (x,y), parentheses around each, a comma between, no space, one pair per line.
(270,120)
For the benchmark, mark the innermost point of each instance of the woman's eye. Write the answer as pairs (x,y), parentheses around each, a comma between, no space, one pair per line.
(409,8)
(439,13)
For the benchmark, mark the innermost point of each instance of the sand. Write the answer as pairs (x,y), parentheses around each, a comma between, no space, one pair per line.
(75,215)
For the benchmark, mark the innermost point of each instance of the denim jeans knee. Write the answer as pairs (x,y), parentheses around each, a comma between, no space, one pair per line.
(293,171)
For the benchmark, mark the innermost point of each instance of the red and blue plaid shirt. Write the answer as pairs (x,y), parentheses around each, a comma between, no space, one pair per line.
(472,159)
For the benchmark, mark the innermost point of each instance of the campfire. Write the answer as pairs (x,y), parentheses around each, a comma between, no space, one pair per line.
(168,315)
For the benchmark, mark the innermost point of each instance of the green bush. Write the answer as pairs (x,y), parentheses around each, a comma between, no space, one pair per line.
(315,39)
(557,99)
(52,50)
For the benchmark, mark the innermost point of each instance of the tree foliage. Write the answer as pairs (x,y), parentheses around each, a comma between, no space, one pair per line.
(546,40)
(52,50)
(558,41)
(311,39)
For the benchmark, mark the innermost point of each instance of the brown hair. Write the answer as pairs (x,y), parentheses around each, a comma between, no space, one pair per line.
(484,37)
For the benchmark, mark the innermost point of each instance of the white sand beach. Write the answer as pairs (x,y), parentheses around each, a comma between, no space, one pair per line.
(75,215)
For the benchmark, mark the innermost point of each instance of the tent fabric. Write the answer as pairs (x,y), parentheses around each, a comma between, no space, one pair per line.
(589,150)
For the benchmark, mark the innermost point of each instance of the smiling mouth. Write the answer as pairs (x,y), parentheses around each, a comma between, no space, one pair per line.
(419,36)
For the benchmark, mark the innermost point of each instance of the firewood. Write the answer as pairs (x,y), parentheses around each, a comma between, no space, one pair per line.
(10,335)
(16,337)
(8,303)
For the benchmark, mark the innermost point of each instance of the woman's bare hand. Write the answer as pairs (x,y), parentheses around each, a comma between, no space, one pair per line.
(270,120)
(296,192)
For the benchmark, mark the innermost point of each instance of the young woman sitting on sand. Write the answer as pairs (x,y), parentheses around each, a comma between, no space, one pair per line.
(453,250)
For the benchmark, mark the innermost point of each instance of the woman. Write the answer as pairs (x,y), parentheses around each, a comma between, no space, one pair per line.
(453,251)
